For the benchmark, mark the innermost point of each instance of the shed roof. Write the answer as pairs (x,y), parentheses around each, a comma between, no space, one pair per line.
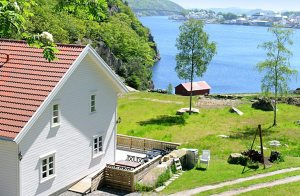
(201,85)
(26,80)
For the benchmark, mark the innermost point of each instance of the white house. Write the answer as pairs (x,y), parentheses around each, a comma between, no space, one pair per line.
(57,119)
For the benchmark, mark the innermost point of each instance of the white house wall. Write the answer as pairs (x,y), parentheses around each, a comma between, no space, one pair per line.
(72,140)
(8,168)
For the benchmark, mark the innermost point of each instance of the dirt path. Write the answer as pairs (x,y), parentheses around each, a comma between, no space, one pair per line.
(232,182)
(259,186)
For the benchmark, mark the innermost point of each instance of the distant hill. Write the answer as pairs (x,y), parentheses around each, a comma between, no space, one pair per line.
(155,7)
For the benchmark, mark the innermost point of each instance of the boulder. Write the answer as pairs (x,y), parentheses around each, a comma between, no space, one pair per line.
(263,104)
(235,158)
(274,143)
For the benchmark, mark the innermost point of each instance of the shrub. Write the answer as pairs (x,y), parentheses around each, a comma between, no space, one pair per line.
(143,188)
(173,168)
(163,178)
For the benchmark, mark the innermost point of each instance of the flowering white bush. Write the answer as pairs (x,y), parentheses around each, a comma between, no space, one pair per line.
(16,6)
(47,36)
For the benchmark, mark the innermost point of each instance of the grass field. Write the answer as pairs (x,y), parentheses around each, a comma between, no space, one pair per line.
(285,189)
(152,115)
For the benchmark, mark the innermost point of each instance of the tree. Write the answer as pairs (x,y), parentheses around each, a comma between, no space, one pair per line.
(170,89)
(276,67)
(12,22)
(195,52)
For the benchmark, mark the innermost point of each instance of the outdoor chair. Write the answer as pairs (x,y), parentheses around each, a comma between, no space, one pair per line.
(130,158)
(205,157)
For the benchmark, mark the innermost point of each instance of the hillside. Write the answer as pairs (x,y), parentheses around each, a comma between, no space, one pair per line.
(108,25)
(154,7)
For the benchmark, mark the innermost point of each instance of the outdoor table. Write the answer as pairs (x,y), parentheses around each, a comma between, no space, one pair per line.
(128,164)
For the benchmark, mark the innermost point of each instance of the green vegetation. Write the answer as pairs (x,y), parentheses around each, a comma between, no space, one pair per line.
(152,115)
(12,25)
(154,7)
(276,68)
(285,189)
(195,52)
(251,182)
(110,21)
(162,178)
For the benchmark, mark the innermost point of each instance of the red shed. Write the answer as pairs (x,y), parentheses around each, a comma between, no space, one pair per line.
(199,88)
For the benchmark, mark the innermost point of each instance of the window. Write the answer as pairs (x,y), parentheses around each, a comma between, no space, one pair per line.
(93,103)
(47,167)
(55,115)
(97,145)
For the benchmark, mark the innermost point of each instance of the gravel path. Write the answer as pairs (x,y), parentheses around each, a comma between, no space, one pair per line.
(232,182)
(259,186)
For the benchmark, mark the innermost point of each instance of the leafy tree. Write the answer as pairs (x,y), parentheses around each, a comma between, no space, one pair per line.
(276,67)
(96,10)
(229,16)
(170,89)
(195,52)
(12,25)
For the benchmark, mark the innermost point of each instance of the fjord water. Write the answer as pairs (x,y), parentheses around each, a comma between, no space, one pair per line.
(233,68)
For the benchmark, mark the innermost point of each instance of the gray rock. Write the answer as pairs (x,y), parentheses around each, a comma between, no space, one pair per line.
(263,104)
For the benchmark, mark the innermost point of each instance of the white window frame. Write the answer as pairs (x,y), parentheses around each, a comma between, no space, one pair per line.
(55,116)
(97,150)
(93,108)
(46,168)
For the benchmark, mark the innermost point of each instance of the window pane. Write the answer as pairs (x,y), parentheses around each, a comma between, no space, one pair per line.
(51,166)
(55,120)
(44,161)
(44,168)
(55,113)
(55,107)
(50,159)
(44,175)
(51,172)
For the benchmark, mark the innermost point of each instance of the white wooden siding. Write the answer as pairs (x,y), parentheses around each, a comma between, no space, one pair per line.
(9,168)
(72,140)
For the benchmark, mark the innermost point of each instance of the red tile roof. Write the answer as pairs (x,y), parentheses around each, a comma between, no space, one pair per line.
(201,85)
(26,80)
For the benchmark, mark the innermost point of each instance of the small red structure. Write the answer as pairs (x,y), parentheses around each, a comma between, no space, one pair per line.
(199,88)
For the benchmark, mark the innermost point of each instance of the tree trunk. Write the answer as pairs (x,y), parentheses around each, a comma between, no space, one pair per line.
(191,93)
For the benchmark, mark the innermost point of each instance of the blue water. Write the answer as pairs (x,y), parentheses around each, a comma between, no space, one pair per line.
(233,68)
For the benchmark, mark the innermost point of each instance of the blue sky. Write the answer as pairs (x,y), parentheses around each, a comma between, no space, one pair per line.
(276,5)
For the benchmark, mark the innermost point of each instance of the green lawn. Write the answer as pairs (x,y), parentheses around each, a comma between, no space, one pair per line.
(251,182)
(152,115)
(285,189)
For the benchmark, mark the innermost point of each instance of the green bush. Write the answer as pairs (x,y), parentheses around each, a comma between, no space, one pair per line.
(173,168)
(163,178)
(143,188)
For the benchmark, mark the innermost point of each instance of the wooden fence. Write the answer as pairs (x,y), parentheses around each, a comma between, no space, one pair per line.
(124,179)
(131,143)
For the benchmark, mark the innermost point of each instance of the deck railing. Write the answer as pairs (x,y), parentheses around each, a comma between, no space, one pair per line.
(124,179)
(138,144)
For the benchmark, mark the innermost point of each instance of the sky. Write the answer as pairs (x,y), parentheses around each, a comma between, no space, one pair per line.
(275,5)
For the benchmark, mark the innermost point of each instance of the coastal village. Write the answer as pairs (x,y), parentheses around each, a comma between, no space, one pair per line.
(263,18)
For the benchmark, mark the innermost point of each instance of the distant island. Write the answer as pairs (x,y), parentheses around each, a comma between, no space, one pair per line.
(155,7)
(251,18)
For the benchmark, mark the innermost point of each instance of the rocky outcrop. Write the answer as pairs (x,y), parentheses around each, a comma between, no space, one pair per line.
(107,55)
(293,101)
(263,104)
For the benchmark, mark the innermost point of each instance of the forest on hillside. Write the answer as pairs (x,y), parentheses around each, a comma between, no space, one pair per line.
(109,24)
(155,7)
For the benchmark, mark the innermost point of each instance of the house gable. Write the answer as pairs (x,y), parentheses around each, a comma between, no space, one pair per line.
(117,85)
